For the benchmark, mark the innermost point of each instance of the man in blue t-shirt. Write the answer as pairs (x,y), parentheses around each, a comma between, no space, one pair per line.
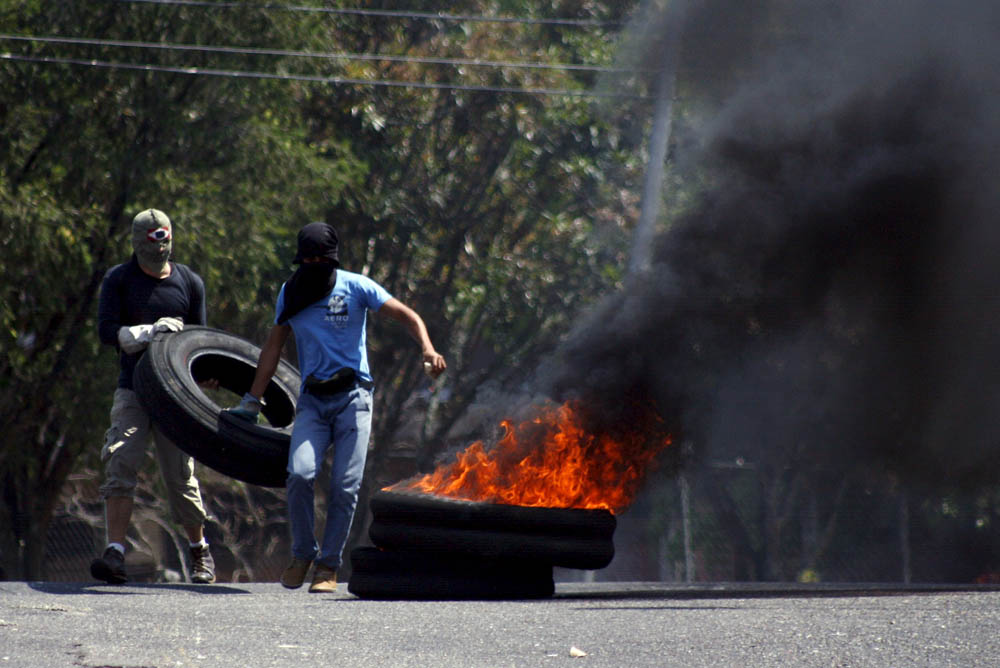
(146,295)
(326,308)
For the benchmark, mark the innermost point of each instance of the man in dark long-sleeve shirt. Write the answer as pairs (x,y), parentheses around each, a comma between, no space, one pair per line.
(139,298)
(130,296)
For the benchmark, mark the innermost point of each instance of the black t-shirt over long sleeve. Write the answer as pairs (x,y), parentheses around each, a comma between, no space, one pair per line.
(129,296)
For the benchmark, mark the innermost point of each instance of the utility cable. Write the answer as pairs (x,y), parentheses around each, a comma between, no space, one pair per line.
(254,51)
(337,81)
(383,13)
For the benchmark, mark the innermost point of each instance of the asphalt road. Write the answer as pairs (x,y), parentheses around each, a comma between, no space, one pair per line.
(585,625)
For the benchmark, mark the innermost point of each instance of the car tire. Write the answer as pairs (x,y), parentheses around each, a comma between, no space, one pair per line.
(567,537)
(551,549)
(400,574)
(411,507)
(166,380)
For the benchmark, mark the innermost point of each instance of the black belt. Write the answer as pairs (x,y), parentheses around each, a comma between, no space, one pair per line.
(344,380)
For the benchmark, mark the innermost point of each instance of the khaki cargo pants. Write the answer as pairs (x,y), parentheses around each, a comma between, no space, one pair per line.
(126,446)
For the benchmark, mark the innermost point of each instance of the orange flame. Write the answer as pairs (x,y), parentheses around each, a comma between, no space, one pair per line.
(548,461)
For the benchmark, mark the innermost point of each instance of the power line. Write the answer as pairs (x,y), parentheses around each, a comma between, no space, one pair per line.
(337,81)
(454,62)
(426,16)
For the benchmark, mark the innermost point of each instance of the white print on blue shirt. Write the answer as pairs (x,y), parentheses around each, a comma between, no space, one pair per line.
(336,311)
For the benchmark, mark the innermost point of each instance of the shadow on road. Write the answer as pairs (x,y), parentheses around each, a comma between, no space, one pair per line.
(77,588)
(647,590)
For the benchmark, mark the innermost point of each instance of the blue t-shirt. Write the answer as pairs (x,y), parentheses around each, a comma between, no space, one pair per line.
(330,333)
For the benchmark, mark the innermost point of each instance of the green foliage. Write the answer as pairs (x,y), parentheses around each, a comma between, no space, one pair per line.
(499,216)
(496,215)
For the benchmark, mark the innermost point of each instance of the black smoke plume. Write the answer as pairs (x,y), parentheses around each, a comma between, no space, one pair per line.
(835,291)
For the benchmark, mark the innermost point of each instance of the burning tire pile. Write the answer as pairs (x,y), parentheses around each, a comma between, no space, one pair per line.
(435,547)
(545,493)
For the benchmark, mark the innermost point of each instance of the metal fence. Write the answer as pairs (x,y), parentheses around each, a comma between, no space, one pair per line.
(674,532)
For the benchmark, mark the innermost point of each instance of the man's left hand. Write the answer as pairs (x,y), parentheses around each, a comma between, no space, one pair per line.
(434,364)
(168,325)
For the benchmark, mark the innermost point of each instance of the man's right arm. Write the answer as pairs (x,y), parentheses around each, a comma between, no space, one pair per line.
(109,308)
(267,363)
(270,356)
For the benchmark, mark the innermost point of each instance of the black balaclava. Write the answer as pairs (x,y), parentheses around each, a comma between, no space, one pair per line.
(311,281)
(318,240)
(152,239)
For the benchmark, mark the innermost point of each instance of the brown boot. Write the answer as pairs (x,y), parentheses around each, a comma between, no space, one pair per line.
(202,565)
(295,574)
(324,580)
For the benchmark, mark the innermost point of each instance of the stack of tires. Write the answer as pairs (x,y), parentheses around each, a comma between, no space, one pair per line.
(434,547)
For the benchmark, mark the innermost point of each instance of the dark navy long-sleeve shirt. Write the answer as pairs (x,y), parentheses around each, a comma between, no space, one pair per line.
(129,296)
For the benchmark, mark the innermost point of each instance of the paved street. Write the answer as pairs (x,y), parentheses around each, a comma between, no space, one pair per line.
(585,625)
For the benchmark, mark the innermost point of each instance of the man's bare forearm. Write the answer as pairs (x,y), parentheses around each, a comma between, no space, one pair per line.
(270,357)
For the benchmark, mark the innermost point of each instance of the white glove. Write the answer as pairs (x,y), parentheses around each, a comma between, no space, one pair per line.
(168,325)
(134,339)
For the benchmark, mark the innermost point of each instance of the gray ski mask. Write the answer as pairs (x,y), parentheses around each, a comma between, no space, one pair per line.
(151,239)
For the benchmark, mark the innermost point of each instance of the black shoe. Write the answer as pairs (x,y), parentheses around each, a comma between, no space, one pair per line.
(110,567)
(202,565)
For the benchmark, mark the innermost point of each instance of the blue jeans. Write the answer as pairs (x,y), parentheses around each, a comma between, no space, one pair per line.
(344,421)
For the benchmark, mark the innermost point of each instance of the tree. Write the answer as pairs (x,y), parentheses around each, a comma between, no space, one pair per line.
(497,215)
(83,150)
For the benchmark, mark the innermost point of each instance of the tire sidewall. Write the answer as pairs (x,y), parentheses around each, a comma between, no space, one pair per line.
(184,413)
